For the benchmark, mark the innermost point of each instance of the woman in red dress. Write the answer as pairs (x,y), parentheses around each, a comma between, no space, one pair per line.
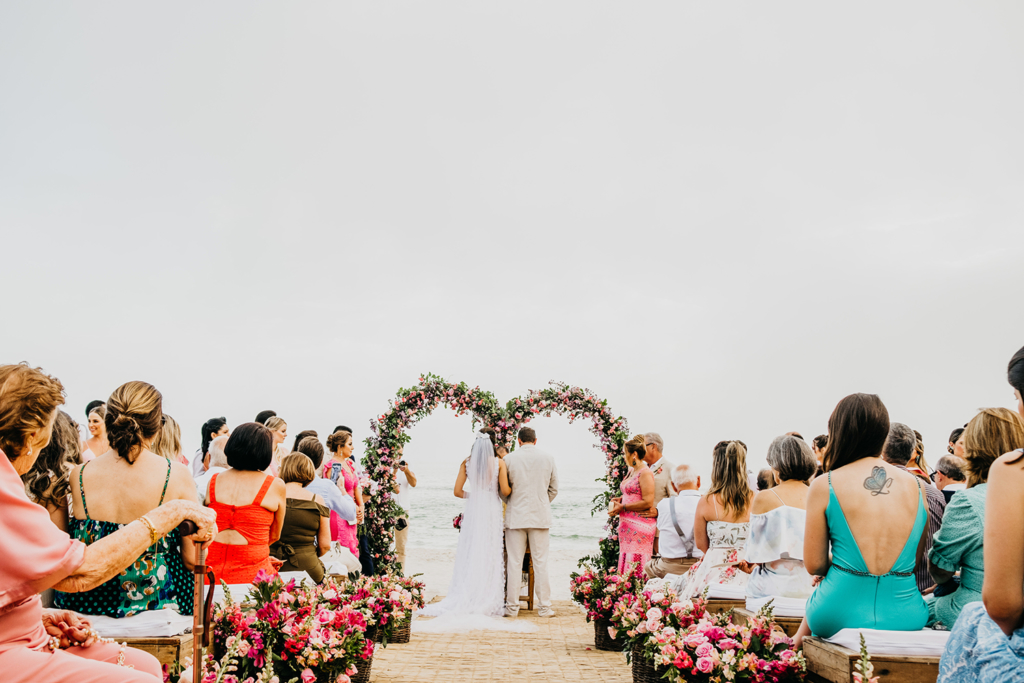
(250,507)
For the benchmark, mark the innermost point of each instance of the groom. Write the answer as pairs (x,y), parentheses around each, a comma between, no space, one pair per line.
(534,482)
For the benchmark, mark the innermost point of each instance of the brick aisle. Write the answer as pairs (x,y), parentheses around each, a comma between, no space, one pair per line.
(556,651)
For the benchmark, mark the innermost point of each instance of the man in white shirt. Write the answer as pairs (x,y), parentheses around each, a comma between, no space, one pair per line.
(218,463)
(406,480)
(675,525)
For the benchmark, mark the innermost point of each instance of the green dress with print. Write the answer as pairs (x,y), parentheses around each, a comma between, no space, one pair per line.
(958,546)
(158,579)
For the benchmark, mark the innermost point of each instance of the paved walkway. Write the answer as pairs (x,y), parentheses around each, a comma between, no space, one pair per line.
(561,649)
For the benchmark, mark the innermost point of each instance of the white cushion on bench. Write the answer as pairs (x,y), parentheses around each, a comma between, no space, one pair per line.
(923,643)
(161,623)
(781,607)
(725,591)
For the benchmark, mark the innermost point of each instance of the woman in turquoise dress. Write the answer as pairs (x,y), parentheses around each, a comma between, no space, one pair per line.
(872,517)
(959,544)
(987,642)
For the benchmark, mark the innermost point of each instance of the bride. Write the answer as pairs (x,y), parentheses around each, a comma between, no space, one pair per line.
(476,595)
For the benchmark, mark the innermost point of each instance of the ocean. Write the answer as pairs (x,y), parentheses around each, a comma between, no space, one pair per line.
(434,506)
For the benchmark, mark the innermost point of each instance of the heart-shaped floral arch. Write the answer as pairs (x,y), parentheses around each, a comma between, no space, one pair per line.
(389,434)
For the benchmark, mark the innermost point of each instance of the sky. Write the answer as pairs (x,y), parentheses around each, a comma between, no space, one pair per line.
(722,217)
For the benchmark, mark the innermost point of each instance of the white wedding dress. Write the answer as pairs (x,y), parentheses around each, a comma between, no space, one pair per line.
(476,595)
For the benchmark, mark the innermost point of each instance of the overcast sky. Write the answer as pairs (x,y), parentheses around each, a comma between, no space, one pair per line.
(721,217)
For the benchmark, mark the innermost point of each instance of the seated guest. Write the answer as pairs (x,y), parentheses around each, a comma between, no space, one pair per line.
(168,441)
(721,523)
(97,443)
(765,479)
(987,642)
(900,448)
(212,428)
(302,435)
(956,445)
(675,525)
(636,533)
(306,534)
(949,475)
(336,499)
(39,645)
(872,516)
(218,463)
(48,483)
(250,507)
(279,430)
(959,545)
(775,544)
(115,489)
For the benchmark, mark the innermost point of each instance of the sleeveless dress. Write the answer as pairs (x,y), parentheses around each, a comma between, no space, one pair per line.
(158,579)
(636,533)
(718,566)
(851,597)
(341,531)
(776,546)
(240,563)
(297,546)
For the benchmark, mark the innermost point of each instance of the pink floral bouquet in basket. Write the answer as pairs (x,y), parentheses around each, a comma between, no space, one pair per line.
(598,590)
(382,599)
(287,631)
(637,615)
(714,649)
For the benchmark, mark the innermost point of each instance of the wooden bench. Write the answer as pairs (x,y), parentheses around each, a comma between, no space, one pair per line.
(835,663)
(787,625)
(718,605)
(167,650)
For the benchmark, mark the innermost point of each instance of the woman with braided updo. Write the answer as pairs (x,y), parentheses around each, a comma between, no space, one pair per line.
(636,533)
(115,489)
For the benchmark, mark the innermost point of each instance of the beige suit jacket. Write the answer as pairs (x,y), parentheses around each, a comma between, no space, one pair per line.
(662,472)
(534,481)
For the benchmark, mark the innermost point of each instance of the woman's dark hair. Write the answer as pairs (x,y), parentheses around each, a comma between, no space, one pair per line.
(1015,371)
(489,431)
(820,440)
(341,428)
(91,406)
(765,480)
(250,447)
(312,449)
(211,427)
(954,436)
(134,416)
(265,415)
(338,440)
(47,482)
(857,429)
(302,435)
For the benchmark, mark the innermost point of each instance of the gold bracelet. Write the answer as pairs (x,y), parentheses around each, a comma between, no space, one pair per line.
(153,535)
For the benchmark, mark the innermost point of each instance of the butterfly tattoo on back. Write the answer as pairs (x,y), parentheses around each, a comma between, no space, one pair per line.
(878,483)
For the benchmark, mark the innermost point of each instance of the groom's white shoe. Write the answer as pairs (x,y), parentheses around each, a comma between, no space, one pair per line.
(546,612)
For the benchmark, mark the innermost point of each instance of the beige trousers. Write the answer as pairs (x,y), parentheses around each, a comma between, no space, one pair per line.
(658,567)
(400,538)
(515,545)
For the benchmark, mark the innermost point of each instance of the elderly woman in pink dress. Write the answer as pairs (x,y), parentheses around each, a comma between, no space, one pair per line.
(636,533)
(56,646)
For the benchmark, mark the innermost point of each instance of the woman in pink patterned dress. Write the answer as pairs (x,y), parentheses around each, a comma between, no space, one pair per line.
(636,533)
(342,471)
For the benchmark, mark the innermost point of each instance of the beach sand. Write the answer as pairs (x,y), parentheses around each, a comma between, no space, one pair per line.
(436,567)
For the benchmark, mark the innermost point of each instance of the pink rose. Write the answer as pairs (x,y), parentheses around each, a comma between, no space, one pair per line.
(705,665)
(704,650)
(786,655)
(308,676)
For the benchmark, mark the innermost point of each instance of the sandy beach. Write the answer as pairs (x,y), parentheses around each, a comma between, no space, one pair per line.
(436,567)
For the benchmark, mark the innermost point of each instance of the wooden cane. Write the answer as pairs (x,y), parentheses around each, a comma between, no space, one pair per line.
(199,616)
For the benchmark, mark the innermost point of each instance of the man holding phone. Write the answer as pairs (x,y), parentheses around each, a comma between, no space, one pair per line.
(405,480)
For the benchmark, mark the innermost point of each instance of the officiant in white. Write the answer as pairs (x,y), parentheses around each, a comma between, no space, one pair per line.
(534,481)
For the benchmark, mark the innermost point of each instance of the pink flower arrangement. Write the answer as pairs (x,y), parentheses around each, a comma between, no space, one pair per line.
(289,632)
(457,522)
(600,590)
(685,642)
